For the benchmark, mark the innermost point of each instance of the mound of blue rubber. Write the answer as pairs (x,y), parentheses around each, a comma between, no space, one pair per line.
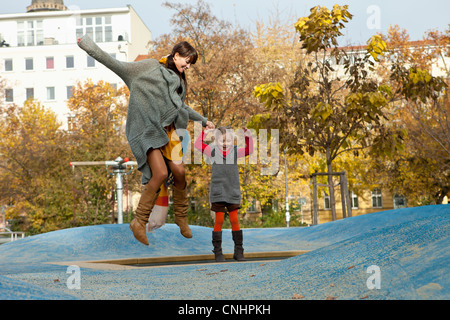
(409,247)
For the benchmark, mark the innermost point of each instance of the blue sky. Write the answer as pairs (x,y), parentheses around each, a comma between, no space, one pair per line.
(370,17)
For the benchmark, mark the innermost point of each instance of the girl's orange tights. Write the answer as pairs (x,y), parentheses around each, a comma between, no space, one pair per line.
(233,219)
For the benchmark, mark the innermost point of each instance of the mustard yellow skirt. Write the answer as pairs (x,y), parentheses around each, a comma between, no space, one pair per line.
(173,149)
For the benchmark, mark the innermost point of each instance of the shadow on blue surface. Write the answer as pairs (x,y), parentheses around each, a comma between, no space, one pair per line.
(409,246)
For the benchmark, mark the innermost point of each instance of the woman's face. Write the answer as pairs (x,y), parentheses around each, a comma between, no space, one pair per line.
(182,63)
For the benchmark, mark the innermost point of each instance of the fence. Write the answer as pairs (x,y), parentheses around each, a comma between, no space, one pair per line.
(345,197)
(10,235)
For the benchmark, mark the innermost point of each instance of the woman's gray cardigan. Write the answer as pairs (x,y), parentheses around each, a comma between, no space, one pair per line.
(153,104)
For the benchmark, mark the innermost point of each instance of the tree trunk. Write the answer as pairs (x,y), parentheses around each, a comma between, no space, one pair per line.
(331,186)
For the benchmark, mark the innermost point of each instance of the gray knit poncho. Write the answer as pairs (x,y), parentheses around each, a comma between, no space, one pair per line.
(154,102)
(225,185)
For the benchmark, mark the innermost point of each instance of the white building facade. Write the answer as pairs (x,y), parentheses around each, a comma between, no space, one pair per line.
(40,58)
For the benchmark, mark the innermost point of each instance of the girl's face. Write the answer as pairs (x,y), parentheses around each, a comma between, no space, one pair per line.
(182,63)
(225,142)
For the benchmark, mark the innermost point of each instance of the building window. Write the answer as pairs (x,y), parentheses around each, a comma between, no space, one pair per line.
(326,199)
(9,95)
(108,34)
(50,63)
(29,93)
(50,93)
(20,33)
(69,90)
(29,64)
(70,62)
(71,123)
(377,199)
(99,34)
(399,201)
(90,62)
(355,202)
(98,28)
(252,207)
(30,33)
(8,65)
(79,33)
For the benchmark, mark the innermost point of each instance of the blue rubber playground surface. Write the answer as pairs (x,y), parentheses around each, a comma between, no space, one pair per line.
(398,254)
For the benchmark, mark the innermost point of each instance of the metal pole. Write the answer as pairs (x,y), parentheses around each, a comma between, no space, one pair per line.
(301,212)
(2,209)
(347,196)
(343,196)
(288,217)
(315,218)
(119,193)
(118,167)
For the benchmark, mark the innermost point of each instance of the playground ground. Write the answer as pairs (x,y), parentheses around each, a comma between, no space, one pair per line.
(398,254)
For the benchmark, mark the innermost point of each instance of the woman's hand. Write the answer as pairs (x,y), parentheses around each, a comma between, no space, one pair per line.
(210,125)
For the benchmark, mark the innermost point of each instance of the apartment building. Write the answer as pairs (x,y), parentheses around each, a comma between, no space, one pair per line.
(40,58)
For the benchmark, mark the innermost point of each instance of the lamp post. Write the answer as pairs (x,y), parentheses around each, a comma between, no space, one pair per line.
(288,216)
(119,170)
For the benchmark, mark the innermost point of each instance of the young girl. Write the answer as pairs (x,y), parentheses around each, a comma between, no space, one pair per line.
(225,189)
(156,108)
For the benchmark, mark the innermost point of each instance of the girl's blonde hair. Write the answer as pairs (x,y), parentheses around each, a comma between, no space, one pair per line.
(222,130)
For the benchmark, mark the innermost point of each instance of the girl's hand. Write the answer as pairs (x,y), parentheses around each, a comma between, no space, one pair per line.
(210,125)
(208,131)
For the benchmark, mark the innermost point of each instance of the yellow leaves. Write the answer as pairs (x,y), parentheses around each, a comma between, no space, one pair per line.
(367,106)
(376,46)
(321,28)
(417,75)
(341,13)
(299,25)
(337,12)
(321,111)
(418,84)
(271,94)
(376,99)
(258,121)
(98,109)
(32,127)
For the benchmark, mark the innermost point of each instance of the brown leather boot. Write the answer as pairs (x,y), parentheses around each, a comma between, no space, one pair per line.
(180,207)
(142,213)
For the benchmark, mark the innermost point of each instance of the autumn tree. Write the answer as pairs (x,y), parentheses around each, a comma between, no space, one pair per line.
(98,134)
(422,170)
(34,180)
(221,82)
(332,106)
(277,48)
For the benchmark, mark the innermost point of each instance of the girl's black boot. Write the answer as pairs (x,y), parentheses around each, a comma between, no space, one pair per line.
(217,243)
(238,248)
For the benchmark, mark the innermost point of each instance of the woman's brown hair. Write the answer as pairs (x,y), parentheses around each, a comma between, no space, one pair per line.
(185,50)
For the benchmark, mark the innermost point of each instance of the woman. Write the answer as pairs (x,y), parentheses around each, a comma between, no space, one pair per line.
(156,108)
